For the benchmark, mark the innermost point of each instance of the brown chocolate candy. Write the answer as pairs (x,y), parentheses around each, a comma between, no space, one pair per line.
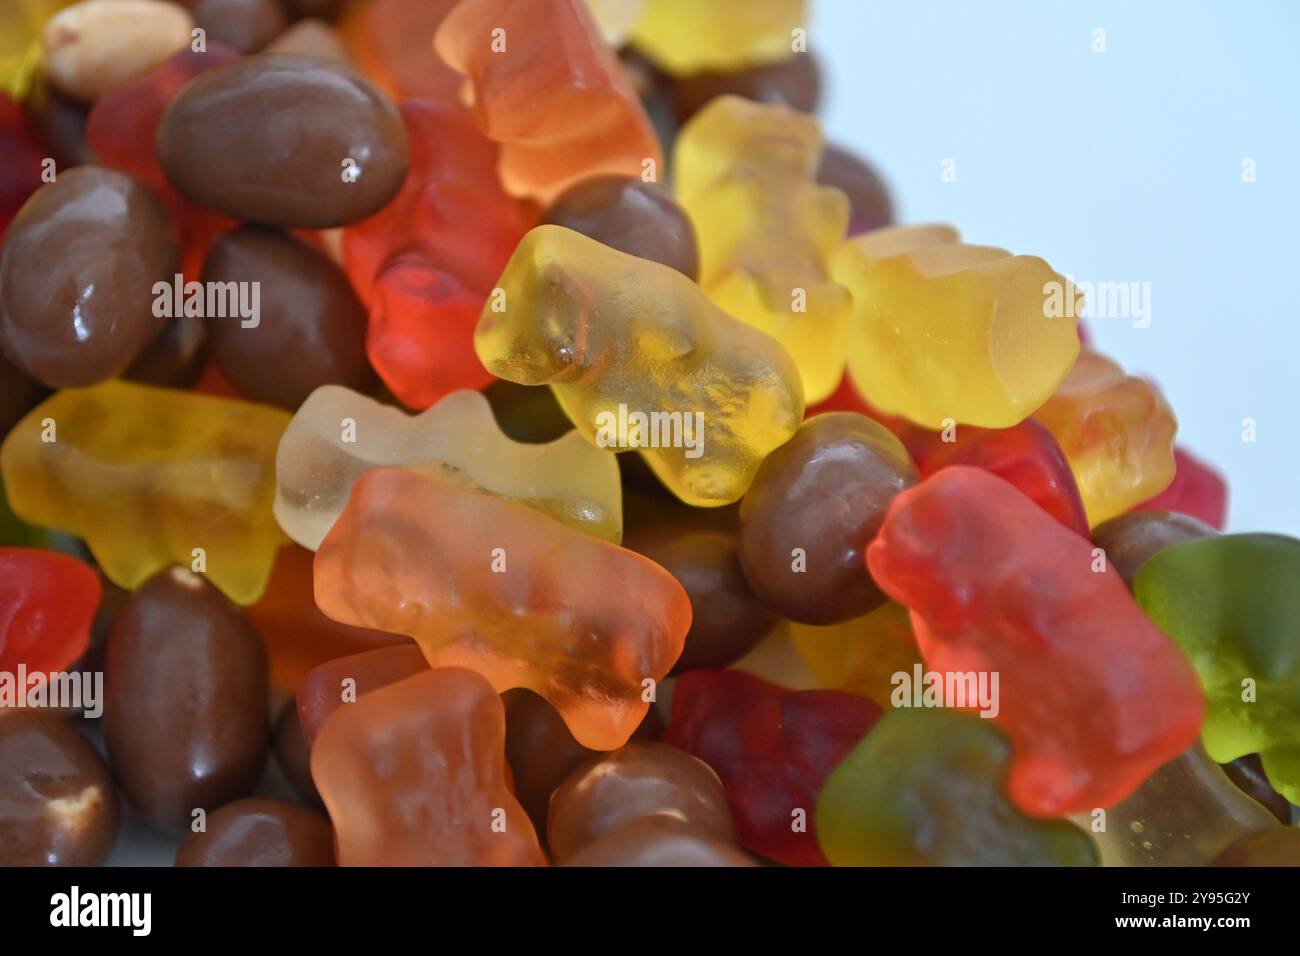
(293,754)
(1280,847)
(659,841)
(325,9)
(18,395)
(639,780)
(284,140)
(61,125)
(185,716)
(77,274)
(869,203)
(58,805)
(540,750)
(246,25)
(1134,538)
(176,358)
(814,506)
(632,216)
(260,831)
(312,38)
(311,330)
(794,82)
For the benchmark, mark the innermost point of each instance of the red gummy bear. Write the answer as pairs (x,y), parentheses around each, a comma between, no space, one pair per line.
(1026,455)
(1093,697)
(122,129)
(47,604)
(20,172)
(426,263)
(1197,490)
(773,749)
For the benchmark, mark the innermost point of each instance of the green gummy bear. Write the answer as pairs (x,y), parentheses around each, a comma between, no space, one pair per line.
(1232,603)
(924,788)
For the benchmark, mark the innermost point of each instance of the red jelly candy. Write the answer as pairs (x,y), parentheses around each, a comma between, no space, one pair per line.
(1093,697)
(773,749)
(20,170)
(47,604)
(326,687)
(427,262)
(1197,490)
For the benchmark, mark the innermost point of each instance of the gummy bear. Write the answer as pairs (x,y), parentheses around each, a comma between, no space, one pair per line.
(1092,696)
(47,604)
(773,749)
(945,332)
(1278,847)
(924,788)
(543,83)
(860,656)
(486,583)
(423,274)
(338,435)
(20,175)
(616,337)
(414,774)
(392,43)
(1183,815)
(1117,432)
(1025,455)
(321,692)
(20,32)
(1197,490)
(686,36)
(1232,603)
(151,477)
(746,173)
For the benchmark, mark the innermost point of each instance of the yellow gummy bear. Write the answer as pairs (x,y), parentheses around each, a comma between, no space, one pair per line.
(147,476)
(1117,433)
(945,330)
(638,357)
(860,656)
(746,173)
(691,36)
(20,47)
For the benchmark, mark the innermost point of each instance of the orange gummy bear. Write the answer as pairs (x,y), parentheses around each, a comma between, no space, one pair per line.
(495,586)
(414,774)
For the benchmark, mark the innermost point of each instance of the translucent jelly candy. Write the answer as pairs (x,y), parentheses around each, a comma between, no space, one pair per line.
(773,748)
(151,477)
(543,83)
(1232,604)
(1183,815)
(392,42)
(924,788)
(1092,696)
(323,690)
(860,656)
(485,583)
(338,435)
(1197,490)
(24,154)
(414,774)
(1117,432)
(1271,848)
(423,275)
(47,604)
(746,173)
(948,332)
(685,36)
(20,52)
(1026,455)
(616,336)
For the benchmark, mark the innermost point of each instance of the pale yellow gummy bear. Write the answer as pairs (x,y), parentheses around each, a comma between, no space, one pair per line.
(337,435)
(943,330)
(691,36)
(746,173)
(151,477)
(638,357)
(20,47)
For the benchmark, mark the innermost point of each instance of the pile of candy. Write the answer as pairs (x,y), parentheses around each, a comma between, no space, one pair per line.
(515,417)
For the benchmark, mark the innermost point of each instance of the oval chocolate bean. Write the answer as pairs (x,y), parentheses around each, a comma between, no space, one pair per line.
(815,504)
(1134,538)
(869,204)
(261,832)
(659,841)
(58,806)
(284,140)
(175,359)
(246,25)
(794,82)
(293,754)
(77,276)
(631,216)
(309,328)
(185,712)
(540,750)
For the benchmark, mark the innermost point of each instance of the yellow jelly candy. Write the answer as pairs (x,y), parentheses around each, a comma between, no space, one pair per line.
(20,41)
(746,173)
(944,332)
(691,36)
(151,477)
(1117,432)
(860,656)
(639,358)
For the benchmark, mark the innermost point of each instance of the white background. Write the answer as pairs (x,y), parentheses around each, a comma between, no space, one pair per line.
(1117,166)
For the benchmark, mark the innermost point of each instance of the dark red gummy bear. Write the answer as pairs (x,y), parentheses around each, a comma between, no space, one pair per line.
(47,604)
(1025,455)
(773,749)
(1197,490)
(21,156)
